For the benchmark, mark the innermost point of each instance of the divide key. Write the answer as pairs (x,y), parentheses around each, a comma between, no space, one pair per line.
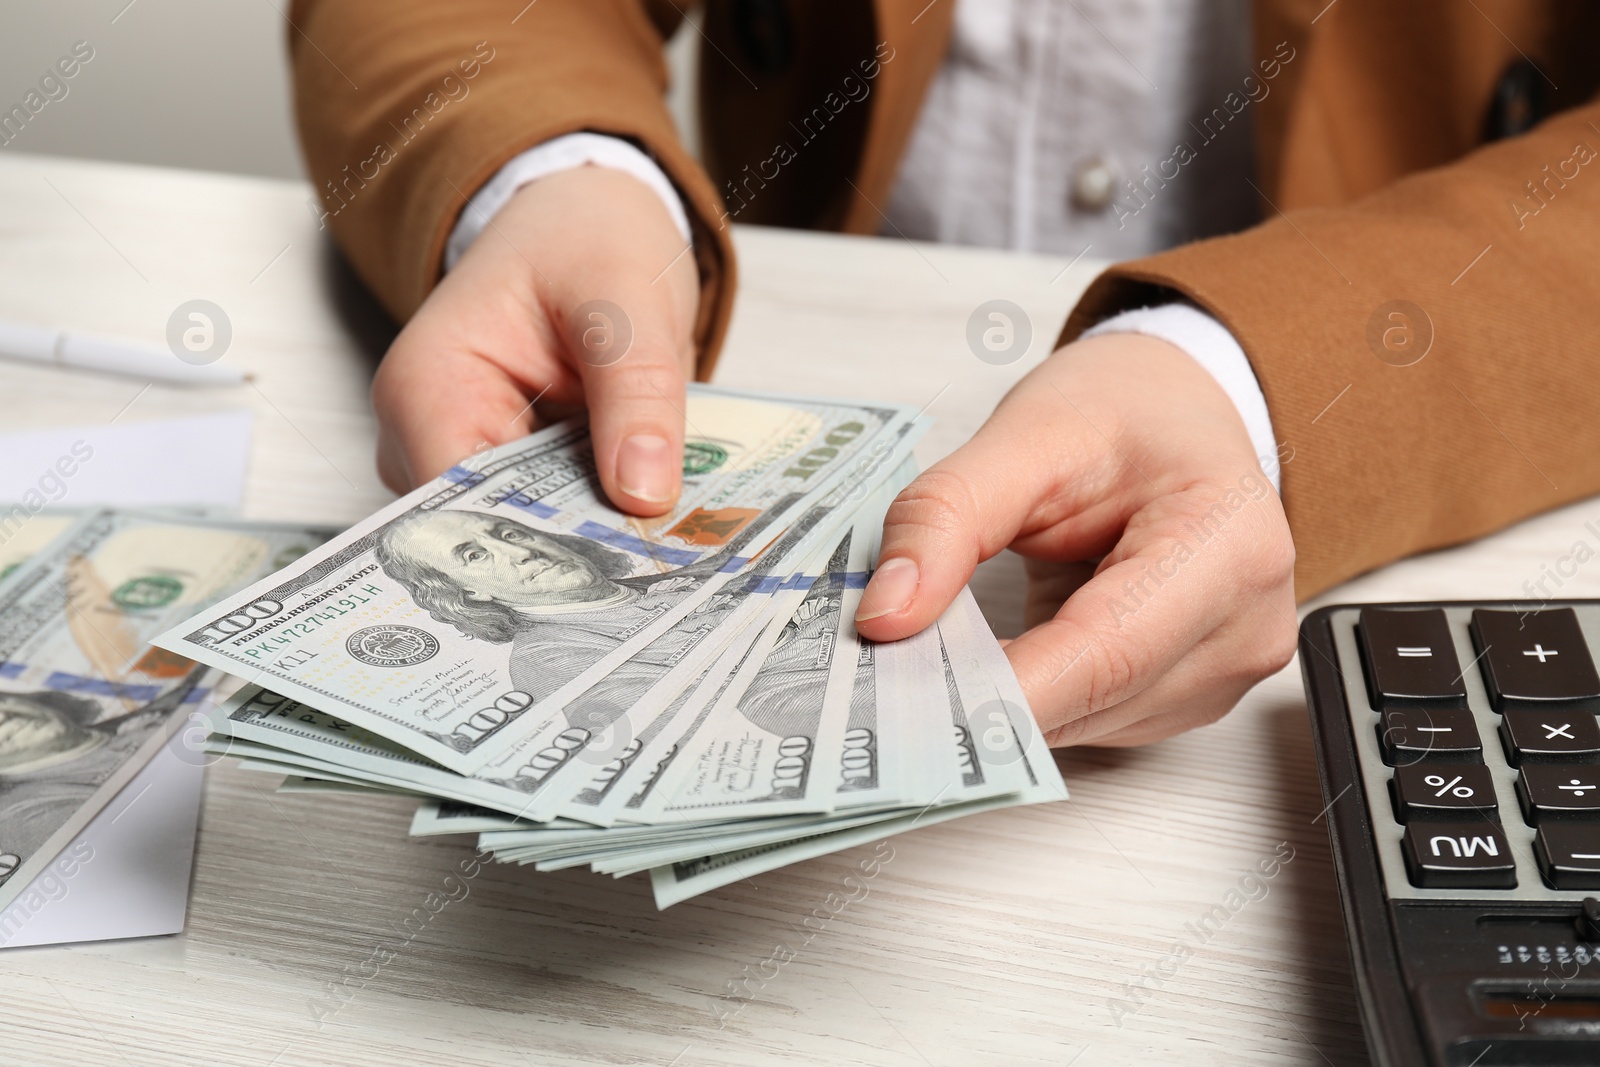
(1536,659)
(1410,659)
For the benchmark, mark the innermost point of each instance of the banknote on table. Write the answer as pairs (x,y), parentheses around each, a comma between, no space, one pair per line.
(85,701)
(459,621)
(24,533)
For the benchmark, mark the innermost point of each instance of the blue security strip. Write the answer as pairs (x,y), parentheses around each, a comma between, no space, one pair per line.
(733,565)
(759,583)
(855,579)
(459,475)
(75,683)
(196,695)
(12,670)
(678,557)
(533,507)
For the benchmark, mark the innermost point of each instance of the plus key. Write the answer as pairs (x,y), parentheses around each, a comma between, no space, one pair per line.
(1536,659)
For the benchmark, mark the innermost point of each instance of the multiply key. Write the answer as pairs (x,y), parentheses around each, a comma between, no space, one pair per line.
(1536,659)
(1410,659)
(1551,736)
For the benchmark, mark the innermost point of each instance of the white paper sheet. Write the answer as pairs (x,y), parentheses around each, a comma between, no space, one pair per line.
(127,874)
(191,462)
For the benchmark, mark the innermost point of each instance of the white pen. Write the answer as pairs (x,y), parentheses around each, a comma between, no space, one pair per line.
(109,355)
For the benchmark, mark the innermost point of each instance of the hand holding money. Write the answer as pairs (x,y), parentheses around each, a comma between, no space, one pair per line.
(685,694)
(1068,470)
(534,312)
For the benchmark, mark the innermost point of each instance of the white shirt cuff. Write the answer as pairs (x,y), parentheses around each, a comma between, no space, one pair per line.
(554,156)
(1209,344)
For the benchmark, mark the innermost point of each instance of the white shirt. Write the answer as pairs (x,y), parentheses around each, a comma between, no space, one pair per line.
(1037,96)
(1051,126)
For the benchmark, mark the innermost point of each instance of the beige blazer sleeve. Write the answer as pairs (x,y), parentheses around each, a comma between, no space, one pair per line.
(1428,353)
(406,107)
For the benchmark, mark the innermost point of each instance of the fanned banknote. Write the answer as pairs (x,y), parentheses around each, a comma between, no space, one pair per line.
(461,619)
(85,701)
(686,695)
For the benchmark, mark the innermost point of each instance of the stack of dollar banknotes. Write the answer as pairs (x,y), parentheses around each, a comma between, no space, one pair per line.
(684,695)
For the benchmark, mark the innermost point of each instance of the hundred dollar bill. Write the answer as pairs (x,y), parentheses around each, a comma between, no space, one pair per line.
(22,534)
(84,700)
(873,754)
(558,850)
(1000,759)
(768,749)
(624,784)
(459,620)
(621,862)
(626,794)
(321,745)
(299,783)
(676,882)
(997,738)
(266,725)
(610,722)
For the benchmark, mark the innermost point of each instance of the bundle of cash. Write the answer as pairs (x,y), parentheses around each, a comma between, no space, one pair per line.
(684,695)
(85,701)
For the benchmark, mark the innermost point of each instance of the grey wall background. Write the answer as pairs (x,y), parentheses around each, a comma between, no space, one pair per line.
(183,83)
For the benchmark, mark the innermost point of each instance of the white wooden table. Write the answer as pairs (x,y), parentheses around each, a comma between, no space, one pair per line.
(1017,937)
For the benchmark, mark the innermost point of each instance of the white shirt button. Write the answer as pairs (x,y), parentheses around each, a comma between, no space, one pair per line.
(1092,185)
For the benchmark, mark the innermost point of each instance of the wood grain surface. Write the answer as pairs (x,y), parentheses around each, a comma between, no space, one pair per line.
(1062,934)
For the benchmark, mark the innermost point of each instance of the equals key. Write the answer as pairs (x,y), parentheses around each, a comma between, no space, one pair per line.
(1410,659)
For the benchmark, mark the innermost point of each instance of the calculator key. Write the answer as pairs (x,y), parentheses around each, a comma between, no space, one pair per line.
(1569,854)
(1551,791)
(1408,735)
(1549,736)
(1458,855)
(1534,659)
(1410,659)
(1443,792)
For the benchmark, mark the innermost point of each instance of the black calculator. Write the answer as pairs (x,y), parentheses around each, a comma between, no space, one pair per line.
(1460,757)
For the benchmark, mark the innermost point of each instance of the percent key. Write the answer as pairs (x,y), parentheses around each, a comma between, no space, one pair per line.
(1442,791)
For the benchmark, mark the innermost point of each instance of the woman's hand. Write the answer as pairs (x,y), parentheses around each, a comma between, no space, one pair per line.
(1123,449)
(511,330)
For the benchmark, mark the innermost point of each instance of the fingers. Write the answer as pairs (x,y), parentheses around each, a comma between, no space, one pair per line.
(580,292)
(1199,691)
(1178,623)
(633,371)
(437,407)
(959,512)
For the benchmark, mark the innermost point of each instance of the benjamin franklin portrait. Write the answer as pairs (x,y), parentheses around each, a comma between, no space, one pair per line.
(562,602)
(54,756)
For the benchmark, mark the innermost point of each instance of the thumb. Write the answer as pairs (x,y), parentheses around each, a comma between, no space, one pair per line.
(633,371)
(958,513)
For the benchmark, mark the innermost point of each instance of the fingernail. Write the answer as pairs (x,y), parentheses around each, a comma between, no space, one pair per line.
(644,468)
(891,589)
